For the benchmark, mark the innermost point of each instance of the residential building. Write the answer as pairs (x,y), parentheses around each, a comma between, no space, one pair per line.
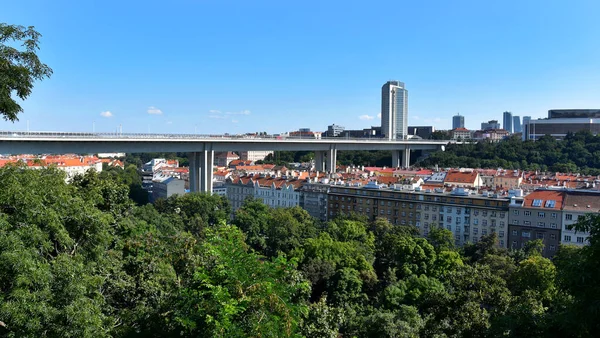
(577,204)
(166,187)
(507,121)
(394,110)
(460,134)
(222,159)
(468,216)
(508,179)
(493,135)
(538,217)
(273,191)
(334,130)
(491,124)
(517,124)
(255,155)
(458,121)
(313,199)
(423,132)
(465,178)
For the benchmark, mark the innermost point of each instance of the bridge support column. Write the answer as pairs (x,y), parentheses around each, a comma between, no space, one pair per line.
(332,160)
(320,160)
(406,157)
(194,179)
(396,158)
(206,170)
(201,171)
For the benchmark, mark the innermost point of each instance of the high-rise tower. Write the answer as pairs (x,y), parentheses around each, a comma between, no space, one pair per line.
(458,121)
(517,124)
(394,110)
(507,122)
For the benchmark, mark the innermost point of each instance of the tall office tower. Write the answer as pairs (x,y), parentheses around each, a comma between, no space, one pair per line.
(507,121)
(525,126)
(458,121)
(517,124)
(394,110)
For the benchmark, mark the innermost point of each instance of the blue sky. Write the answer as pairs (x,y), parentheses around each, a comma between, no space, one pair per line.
(242,66)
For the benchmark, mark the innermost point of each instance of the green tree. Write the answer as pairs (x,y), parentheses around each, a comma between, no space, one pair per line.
(19,69)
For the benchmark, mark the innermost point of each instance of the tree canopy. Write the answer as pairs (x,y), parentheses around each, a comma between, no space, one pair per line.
(19,68)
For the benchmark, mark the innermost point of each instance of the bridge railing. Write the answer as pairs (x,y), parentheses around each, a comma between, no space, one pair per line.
(149,136)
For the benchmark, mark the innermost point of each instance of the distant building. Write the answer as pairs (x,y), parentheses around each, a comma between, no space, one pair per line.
(366,133)
(313,199)
(222,159)
(491,124)
(166,187)
(490,134)
(305,133)
(394,110)
(560,122)
(517,124)
(460,133)
(507,120)
(458,121)
(423,132)
(255,155)
(334,130)
(526,120)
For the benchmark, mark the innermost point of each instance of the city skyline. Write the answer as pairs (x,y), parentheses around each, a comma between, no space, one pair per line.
(305,63)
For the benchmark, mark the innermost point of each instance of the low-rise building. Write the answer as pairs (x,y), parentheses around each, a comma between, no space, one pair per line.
(577,204)
(313,199)
(460,134)
(166,187)
(468,216)
(538,217)
(464,178)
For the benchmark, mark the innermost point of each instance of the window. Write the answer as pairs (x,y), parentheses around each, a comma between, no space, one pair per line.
(501,233)
(449,209)
(475,231)
(514,244)
(525,234)
(484,232)
(553,215)
(537,203)
(484,213)
(541,224)
(541,214)
(475,221)
(382,203)
(527,213)
(426,207)
(550,203)
(434,218)
(526,222)
(502,215)
(515,232)
(552,248)
(449,219)
(580,239)
(476,212)
(389,203)
(426,216)
(484,222)
(515,222)
(553,236)
(567,238)
(539,235)
(516,212)
(569,217)
(553,225)
(502,224)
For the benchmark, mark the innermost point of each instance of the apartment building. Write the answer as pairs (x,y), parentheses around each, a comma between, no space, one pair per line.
(577,203)
(538,217)
(468,216)
(313,199)
(273,191)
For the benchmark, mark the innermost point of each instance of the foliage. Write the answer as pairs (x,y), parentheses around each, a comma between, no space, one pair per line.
(82,259)
(577,152)
(19,69)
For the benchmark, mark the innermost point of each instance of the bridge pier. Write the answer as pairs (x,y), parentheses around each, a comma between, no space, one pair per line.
(332,159)
(401,158)
(201,170)
(320,160)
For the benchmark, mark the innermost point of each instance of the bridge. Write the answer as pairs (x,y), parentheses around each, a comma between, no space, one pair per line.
(201,148)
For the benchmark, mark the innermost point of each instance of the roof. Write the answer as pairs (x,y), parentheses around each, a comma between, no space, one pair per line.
(461,177)
(540,198)
(582,201)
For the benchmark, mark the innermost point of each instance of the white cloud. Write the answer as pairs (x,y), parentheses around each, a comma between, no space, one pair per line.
(379,115)
(214,112)
(217,116)
(106,114)
(154,111)
(366,117)
(234,121)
